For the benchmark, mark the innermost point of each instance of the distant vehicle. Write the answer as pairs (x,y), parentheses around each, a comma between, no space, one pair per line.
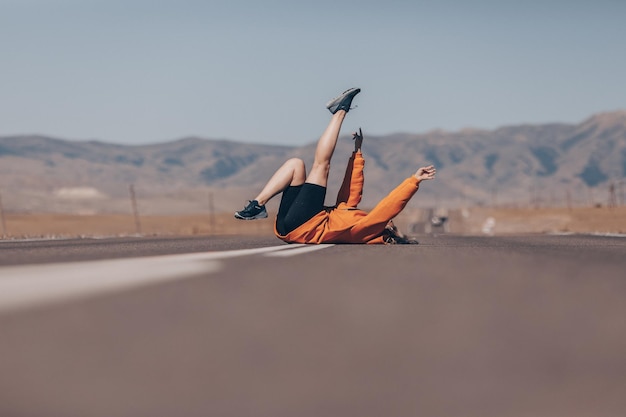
(434,221)
(438,221)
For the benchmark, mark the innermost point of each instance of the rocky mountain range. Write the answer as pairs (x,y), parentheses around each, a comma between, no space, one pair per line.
(553,163)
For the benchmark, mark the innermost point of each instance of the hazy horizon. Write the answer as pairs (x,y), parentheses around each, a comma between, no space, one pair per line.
(345,132)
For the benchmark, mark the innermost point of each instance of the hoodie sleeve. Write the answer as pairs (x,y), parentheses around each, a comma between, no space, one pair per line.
(352,187)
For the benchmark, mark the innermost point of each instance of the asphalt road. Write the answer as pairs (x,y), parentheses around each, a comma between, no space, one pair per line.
(455,326)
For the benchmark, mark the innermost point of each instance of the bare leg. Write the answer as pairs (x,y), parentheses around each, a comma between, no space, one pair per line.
(324,152)
(292,172)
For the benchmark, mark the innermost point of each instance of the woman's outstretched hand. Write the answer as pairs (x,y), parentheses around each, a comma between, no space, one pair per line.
(357,137)
(426,173)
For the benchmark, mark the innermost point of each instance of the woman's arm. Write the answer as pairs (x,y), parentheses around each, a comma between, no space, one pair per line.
(358,140)
(352,186)
(425,173)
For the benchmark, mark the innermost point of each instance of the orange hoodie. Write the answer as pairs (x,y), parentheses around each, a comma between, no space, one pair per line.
(344,223)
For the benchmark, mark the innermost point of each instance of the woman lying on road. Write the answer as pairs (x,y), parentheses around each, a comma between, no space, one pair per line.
(302,216)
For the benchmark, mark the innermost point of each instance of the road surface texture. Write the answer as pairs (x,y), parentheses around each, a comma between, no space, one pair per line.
(456,326)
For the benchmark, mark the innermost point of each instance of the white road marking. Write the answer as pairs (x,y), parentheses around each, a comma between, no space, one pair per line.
(301,250)
(234,253)
(26,286)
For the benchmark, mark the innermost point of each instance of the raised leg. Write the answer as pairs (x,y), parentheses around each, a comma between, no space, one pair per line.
(292,172)
(324,151)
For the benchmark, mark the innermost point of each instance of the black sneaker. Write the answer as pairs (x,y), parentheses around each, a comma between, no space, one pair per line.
(395,240)
(392,236)
(342,102)
(252,211)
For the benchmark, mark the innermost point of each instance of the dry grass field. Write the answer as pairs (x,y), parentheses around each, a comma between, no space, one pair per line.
(584,220)
(474,221)
(44,225)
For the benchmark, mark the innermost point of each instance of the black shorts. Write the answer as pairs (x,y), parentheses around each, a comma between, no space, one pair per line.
(297,205)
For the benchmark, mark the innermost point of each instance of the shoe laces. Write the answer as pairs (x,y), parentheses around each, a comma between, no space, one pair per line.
(249,206)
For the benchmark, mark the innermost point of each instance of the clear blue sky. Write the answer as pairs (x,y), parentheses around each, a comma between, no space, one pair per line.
(145,71)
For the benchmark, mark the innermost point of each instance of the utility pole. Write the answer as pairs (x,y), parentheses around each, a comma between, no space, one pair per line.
(612,196)
(568,199)
(211,213)
(133,202)
(2,221)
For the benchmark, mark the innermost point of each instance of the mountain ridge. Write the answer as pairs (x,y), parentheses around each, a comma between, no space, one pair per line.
(513,164)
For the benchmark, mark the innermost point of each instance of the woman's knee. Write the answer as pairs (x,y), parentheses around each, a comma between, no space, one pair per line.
(299,169)
(319,174)
(321,167)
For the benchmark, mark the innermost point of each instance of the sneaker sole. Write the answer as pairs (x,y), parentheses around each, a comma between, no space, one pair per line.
(340,97)
(258,216)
